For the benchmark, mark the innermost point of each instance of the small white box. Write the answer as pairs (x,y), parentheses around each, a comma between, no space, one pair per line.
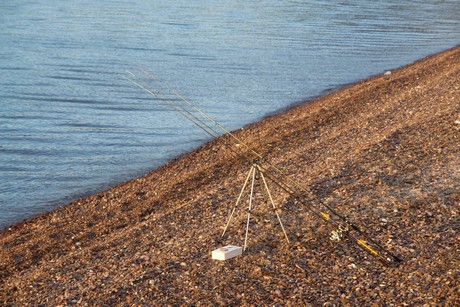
(226,252)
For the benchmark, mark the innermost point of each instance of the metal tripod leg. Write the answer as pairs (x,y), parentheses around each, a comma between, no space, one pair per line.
(238,200)
(273,204)
(254,168)
(250,206)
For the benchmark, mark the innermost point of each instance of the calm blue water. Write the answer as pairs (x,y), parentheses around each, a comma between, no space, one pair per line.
(70,125)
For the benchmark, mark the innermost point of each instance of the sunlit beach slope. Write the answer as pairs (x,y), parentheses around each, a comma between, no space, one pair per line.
(385,152)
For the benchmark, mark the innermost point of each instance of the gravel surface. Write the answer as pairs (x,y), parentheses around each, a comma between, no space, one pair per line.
(384,152)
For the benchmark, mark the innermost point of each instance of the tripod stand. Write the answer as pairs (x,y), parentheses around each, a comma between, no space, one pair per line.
(255,168)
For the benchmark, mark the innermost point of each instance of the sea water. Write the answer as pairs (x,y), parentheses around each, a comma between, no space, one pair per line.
(71,125)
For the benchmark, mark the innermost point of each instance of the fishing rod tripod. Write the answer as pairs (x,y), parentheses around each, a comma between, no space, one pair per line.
(255,172)
(343,228)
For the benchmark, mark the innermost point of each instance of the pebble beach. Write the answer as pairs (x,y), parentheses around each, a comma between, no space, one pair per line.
(384,152)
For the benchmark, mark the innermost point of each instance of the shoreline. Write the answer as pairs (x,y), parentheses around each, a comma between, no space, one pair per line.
(105,187)
(384,151)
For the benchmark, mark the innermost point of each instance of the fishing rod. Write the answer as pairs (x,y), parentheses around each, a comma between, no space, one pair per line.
(176,106)
(342,226)
(173,104)
(198,120)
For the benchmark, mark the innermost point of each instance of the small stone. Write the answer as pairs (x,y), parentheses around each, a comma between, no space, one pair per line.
(387,73)
(144,257)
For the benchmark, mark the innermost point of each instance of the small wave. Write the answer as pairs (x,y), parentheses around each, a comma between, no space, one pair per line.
(70,78)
